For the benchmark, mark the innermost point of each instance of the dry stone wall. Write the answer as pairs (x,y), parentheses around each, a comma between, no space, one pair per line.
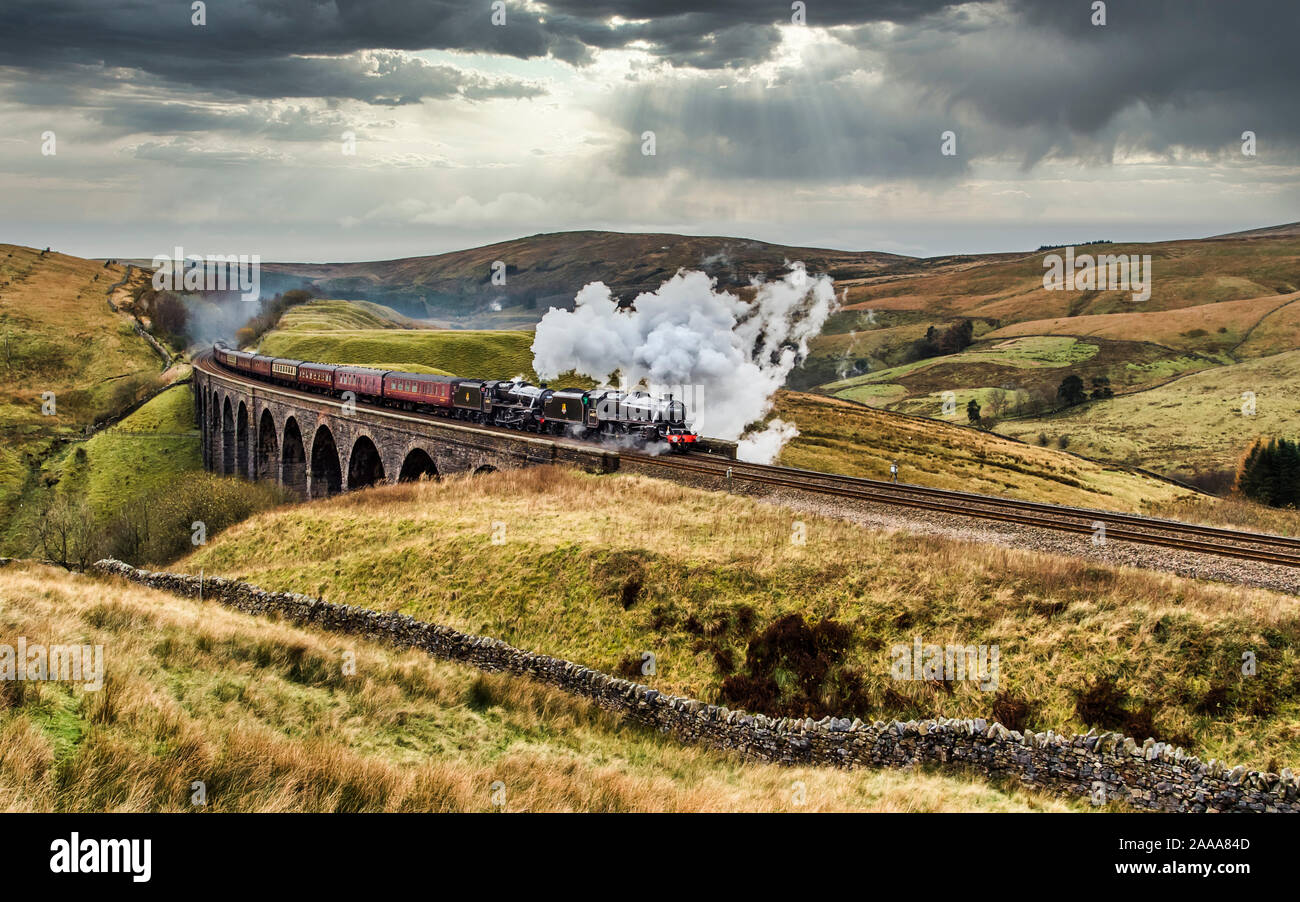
(1105,767)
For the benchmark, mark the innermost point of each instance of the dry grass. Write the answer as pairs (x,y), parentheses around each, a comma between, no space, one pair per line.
(842,437)
(1206,328)
(1194,424)
(261,713)
(1232,511)
(600,569)
(1010,287)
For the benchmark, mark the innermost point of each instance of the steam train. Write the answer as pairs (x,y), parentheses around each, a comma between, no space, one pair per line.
(598,413)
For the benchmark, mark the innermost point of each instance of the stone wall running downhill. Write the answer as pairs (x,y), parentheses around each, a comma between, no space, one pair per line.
(1106,766)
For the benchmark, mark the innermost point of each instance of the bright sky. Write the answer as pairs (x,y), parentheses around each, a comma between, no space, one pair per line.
(230,137)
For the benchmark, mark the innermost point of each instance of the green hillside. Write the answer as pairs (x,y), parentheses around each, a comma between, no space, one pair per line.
(461,353)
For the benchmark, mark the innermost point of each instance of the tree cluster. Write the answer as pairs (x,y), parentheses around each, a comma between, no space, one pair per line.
(938,342)
(1269,472)
(1072,390)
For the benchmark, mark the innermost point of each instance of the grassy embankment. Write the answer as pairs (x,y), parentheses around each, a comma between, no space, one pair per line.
(839,437)
(261,713)
(58,335)
(602,569)
(139,486)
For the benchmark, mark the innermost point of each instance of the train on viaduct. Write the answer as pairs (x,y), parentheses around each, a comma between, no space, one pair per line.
(316,446)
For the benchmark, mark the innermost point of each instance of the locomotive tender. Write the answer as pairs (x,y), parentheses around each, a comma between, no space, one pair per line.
(595,413)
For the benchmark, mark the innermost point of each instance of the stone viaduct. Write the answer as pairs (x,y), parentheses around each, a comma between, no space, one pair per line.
(316,446)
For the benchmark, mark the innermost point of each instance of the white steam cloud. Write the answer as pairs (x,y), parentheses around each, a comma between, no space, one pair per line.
(723,357)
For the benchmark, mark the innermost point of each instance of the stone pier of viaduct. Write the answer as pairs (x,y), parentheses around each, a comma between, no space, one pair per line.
(317,446)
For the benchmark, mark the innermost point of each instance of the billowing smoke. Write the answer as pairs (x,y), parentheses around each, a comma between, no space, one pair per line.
(214,315)
(723,357)
(763,446)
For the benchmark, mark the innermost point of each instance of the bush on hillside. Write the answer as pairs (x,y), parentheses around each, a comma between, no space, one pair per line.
(155,528)
(65,534)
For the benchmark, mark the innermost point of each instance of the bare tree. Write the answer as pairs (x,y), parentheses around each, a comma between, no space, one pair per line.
(68,535)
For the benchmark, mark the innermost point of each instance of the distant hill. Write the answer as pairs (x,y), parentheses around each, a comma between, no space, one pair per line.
(547,270)
(1287,230)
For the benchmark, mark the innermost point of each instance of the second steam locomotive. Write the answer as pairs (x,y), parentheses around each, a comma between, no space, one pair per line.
(513,403)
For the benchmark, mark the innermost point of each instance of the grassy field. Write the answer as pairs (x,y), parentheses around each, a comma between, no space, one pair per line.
(261,713)
(152,448)
(137,487)
(148,450)
(1004,373)
(331,315)
(602,569)
(1189,426)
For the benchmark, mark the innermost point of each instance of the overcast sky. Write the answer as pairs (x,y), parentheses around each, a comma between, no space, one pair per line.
(229,137)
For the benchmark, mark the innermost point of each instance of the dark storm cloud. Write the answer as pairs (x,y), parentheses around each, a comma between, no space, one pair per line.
(291,48)
(1197,73)
(1022,79)
(157,36)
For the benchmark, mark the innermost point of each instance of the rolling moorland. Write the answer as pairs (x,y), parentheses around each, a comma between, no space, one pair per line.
(456,289)
(1083,645)
(59,335)
(1221,328)
(118,455)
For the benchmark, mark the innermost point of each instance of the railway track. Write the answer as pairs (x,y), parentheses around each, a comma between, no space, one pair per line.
(1262,547)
